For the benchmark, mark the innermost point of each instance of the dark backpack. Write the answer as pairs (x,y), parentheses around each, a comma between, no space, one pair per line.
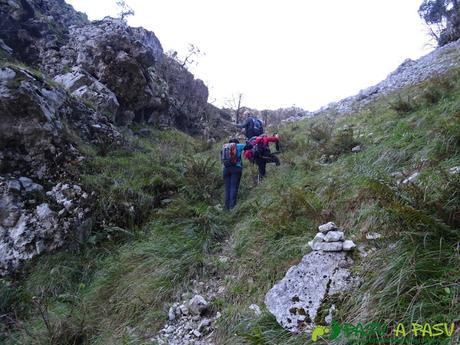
(228,155)
(257,125)
(258,149)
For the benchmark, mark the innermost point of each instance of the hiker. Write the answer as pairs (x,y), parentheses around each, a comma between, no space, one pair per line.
(231,158)
(252,126)
(260,153)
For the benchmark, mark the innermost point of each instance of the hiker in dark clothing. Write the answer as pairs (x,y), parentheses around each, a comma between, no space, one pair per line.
(261,154)
(252,127)
(231,156)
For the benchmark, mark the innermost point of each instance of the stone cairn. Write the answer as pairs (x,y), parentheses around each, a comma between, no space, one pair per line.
(330,239)
(306,288)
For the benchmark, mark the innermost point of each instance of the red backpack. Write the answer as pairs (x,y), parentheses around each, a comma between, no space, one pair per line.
(228,155)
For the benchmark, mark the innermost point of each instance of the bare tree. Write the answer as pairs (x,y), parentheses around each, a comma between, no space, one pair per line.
(240,96)
(234,103)
(125,9)
(265,117)
(191,57)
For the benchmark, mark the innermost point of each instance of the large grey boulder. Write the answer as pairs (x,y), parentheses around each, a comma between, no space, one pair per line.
(296,300)
(81,84)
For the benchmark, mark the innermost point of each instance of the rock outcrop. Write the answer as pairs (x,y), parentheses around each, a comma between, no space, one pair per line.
(37,153)
(302,299)
(34,140)
(82,81)
(31,28)
(120,70)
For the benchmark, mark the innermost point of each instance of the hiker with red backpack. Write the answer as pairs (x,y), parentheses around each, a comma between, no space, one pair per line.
(231,158)
(252,127)
(260,152)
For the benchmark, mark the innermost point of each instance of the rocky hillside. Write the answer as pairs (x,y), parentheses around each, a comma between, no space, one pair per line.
(65,81)
(438,63)
(111,222)
(120,70)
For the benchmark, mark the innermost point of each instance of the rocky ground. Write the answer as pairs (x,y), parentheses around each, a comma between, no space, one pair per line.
(191,319)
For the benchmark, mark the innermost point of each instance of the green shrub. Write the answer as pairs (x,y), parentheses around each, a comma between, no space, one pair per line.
(202,179)
(321,133)
(403,106)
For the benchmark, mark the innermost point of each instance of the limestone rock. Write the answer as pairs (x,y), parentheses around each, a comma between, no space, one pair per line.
(357,149)
(334,236)
(256,309)
(296,299)
(172,313)
(327,246)
(118,69)
(197,305)
(204,324)
(454,170)
(14,185)
(319,237)
(412,178)
(33,138)
(348,245)
(27,230)
(373,236)
(81,84)
(191,328)
(327,227)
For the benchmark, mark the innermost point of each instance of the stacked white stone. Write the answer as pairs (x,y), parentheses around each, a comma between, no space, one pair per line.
(330,239)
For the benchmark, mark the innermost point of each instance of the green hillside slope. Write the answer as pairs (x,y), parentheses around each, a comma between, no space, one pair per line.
(158,225)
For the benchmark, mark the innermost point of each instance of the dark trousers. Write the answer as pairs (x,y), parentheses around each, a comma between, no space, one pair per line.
(262,160)
(232,178)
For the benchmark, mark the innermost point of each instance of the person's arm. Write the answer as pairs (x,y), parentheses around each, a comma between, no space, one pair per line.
(244,147)
(274,139)
(242,125)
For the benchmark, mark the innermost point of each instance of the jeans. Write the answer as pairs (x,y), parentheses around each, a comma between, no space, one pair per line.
(232,177)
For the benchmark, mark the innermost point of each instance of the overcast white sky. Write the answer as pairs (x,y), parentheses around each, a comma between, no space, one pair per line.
(280,53)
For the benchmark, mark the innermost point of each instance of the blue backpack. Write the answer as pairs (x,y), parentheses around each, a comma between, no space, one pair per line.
(257,125)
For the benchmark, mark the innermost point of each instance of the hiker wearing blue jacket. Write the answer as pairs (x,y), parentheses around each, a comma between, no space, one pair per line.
(253,127)
(231,157)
